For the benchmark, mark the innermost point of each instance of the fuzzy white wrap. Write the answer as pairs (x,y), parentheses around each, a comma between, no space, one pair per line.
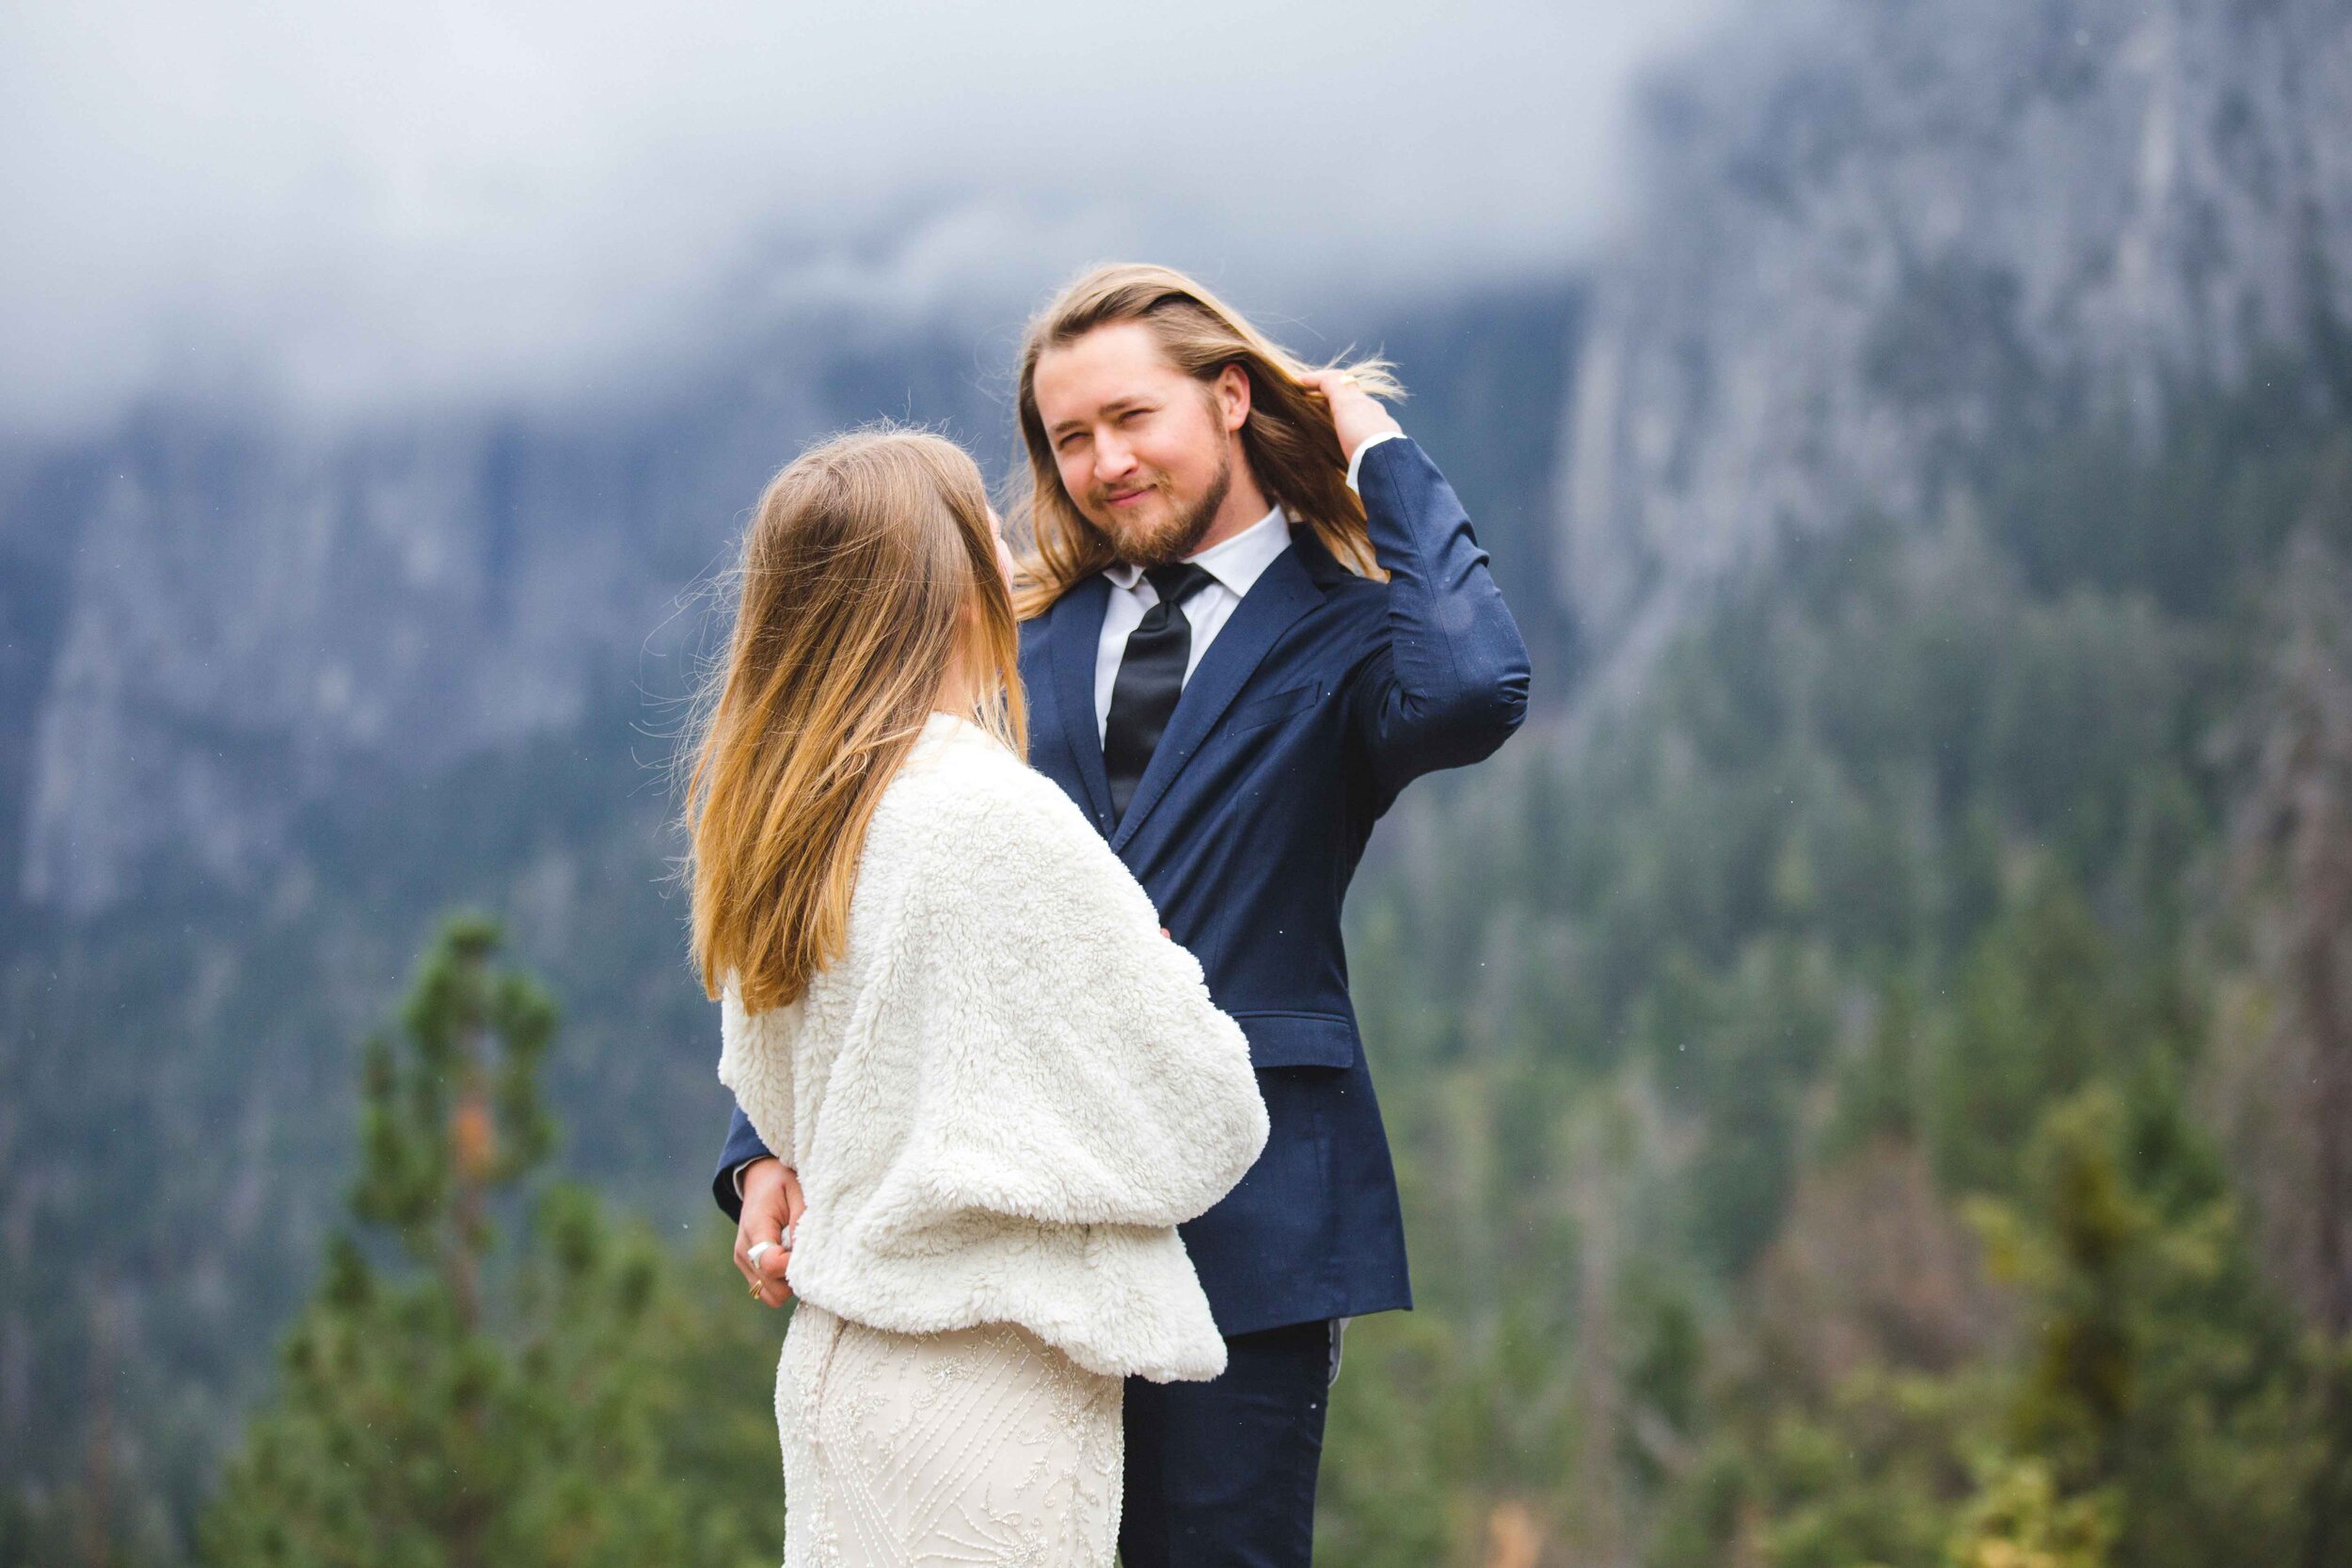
(1009,1088)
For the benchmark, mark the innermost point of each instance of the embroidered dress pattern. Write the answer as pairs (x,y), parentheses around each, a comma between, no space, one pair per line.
(980,1446)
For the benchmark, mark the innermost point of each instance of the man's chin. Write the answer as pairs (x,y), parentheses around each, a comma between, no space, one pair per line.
(1163,552)
(1163,546)
(1141,547)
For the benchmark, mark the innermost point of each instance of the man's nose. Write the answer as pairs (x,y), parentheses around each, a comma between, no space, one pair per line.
(1112,457)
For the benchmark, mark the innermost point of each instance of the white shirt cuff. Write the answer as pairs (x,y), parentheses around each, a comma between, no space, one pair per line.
(1356,460)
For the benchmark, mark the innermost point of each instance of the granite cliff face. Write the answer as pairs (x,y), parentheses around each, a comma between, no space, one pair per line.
(212,617)
(215,618)
(1874,237)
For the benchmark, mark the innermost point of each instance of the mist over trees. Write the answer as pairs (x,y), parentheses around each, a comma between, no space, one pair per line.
(1866,1105)
(1869,1066)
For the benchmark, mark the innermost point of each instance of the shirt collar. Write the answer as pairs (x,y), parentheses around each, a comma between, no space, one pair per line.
(1236,563)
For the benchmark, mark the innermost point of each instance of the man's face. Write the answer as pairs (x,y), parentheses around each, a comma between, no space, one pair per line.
(1144,450)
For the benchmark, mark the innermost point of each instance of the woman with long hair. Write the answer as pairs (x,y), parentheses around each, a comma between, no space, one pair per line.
(951,1011)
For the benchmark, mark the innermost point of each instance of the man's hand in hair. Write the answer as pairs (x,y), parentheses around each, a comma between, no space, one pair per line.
(1356,414)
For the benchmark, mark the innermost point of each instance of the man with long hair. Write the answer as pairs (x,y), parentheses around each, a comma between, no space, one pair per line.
(1253,612)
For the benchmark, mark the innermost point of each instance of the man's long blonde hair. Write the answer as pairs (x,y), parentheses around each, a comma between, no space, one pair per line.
(1294,451)
(868,564)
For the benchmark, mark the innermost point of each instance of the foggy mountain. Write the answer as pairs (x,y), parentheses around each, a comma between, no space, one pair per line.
(217,614)
(275,688)
(1868,241)
(1875,239)
(279,695)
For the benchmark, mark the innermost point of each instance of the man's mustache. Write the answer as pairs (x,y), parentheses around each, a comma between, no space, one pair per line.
(1101,495)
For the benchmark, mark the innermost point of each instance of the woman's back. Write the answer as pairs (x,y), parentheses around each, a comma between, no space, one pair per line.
(1009,1088)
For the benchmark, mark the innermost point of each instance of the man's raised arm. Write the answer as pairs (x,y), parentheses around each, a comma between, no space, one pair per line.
(1452,685)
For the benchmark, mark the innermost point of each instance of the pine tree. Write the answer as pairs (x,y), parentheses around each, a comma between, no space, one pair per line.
(466,1402)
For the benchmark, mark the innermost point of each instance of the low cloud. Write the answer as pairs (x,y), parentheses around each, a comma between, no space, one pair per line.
(357,207)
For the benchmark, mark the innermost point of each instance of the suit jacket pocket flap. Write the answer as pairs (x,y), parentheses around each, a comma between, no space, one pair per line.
(1298,1039)
(1266,709)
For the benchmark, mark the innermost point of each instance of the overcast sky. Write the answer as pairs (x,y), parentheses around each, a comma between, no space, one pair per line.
(366,205)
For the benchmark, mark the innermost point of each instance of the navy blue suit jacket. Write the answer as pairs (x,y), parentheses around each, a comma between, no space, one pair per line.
(1323,695)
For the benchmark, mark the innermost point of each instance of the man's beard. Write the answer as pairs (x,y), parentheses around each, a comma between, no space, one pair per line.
(1183,532)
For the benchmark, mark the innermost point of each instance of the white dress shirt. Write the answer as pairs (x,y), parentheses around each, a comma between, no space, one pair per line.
(1232,564)
(1236,564)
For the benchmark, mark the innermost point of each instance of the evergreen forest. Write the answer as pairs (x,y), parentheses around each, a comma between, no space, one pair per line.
(1874,1093)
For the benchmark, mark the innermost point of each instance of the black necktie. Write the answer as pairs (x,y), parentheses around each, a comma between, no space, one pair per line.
(1150,679)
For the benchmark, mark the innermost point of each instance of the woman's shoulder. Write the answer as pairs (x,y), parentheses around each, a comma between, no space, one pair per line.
(968,813)
(740,1029)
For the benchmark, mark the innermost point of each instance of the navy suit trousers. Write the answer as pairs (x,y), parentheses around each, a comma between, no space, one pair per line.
(1222,1474)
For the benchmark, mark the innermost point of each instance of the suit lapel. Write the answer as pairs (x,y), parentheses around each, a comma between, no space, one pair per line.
(1077,635)
(1281,594)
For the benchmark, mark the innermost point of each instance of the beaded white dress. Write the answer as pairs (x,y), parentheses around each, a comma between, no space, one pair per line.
(982,1446)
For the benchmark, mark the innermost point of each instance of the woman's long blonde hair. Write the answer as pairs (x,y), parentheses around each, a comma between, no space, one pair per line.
(869,565)
(1293,450)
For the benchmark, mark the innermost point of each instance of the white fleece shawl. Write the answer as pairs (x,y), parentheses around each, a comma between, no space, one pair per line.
(1009,1088)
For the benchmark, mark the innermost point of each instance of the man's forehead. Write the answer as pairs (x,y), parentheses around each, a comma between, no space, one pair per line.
(1112,362)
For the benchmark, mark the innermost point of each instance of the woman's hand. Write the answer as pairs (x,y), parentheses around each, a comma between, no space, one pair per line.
(771,1203)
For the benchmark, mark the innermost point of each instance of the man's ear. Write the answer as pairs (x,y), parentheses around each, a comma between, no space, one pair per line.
(1231,391)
